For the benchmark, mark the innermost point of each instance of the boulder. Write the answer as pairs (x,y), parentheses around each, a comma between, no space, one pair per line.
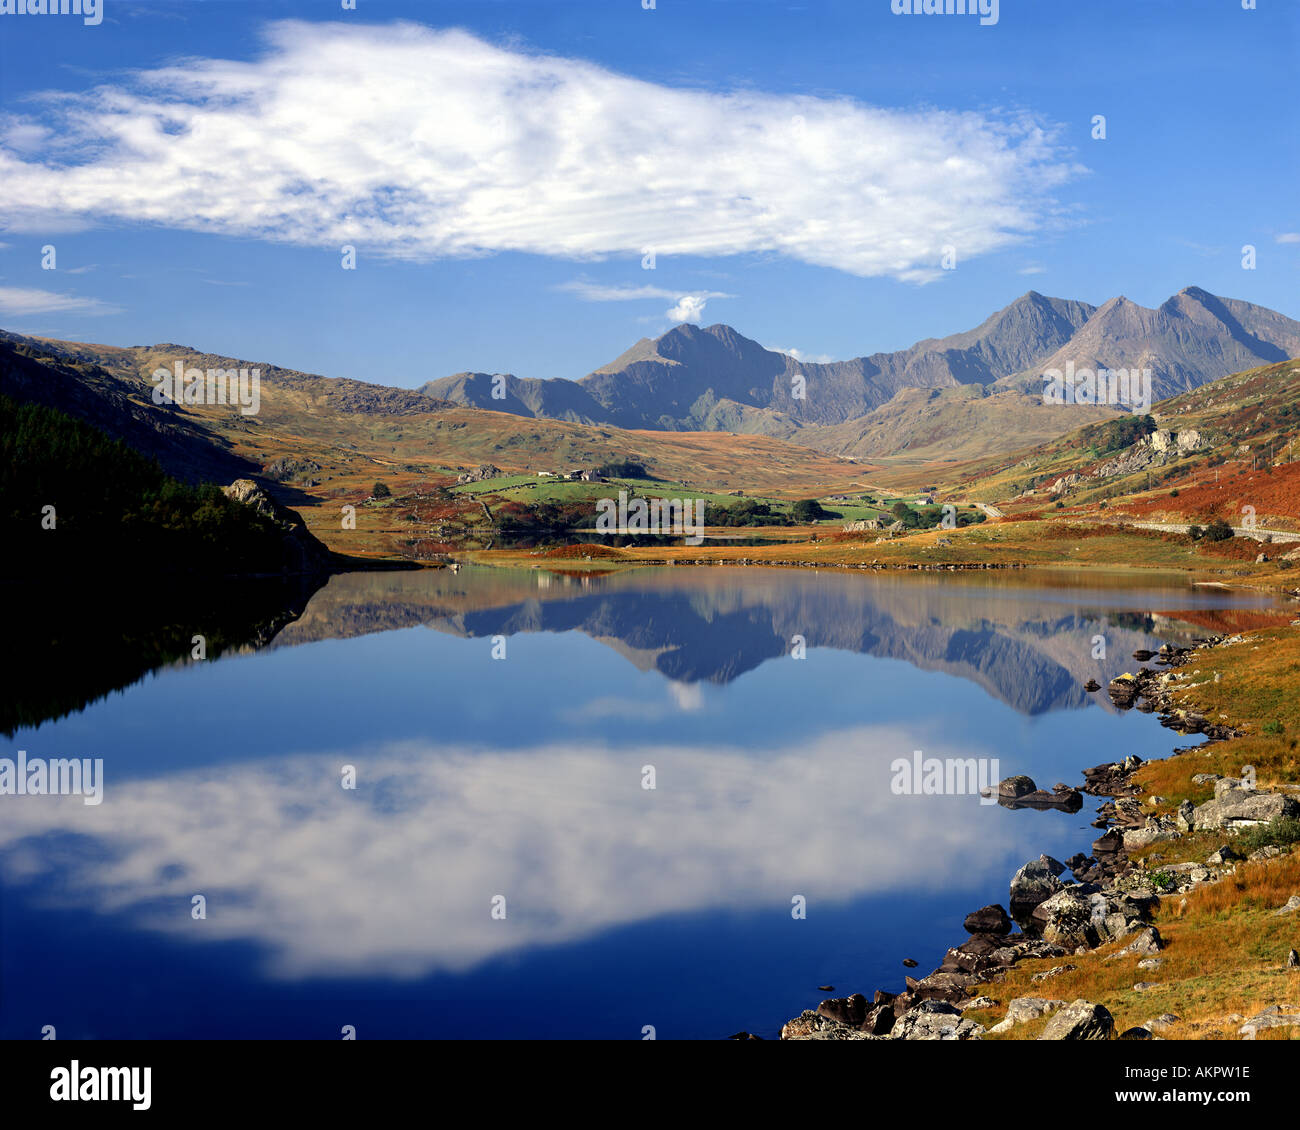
(943,986)
(1236,806)
(1070,917)
(1024,1009)
(1081,1020)
(300,551)
(988,920)
(1034,883)
(850,1010)
(809,1025)
(1016,786)
(480,474)
(935,1020)
(1109,844)
(1156,829)
(1275,1016)
(1147,943)
(1055,971)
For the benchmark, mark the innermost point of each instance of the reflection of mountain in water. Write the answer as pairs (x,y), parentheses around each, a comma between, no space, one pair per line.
(1032,648)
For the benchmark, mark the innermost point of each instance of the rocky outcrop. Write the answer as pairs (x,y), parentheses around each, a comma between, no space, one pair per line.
(1021,792)
(300,550)
(479,474)
(936,1020)
(1275,1016)
(1034,883)
(809,1025)
(1236,805)
(1081,1020)
(1024,1009)
(988,920)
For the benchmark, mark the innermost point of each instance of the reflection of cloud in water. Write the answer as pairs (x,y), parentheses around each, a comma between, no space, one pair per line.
(396,878)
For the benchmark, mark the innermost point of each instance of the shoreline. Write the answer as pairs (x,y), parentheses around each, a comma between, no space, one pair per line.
(1113,899)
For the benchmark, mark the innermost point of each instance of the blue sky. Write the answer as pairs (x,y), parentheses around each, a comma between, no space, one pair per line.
(500,167)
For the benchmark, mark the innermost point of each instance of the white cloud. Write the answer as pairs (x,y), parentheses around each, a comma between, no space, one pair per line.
(686,307)
(800,355)
(1289,237)
(416,143)
(1033,269)
(21,302)
(396,878)
(689,308)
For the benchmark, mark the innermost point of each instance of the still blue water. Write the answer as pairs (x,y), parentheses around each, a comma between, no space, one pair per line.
(520,778)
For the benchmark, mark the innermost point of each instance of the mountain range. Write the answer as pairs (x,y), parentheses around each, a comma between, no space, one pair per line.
(715,379)
(694,401)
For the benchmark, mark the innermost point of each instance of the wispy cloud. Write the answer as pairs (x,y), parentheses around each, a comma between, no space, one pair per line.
(1289,237)
(468,148)
(687,306)
(16,301)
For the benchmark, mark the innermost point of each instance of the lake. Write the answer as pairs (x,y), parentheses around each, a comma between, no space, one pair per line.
(500,868)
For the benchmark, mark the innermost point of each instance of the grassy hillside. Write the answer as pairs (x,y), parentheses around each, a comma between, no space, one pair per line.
(1241,434)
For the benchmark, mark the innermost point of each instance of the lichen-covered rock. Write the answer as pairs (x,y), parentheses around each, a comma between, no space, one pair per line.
(935,1020)
(1034,883)
(1024,1009)
(1147,943)
(1071,917)
(1238,806)
(809,1025)
(1081,1020)
(1275,1016)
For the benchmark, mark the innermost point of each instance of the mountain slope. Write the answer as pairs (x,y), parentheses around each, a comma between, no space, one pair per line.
(1192,338)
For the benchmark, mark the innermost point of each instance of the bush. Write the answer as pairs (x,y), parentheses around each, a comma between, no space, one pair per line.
(623,469)
(1218,530)
(380,490)
(807,510)
(1282,831)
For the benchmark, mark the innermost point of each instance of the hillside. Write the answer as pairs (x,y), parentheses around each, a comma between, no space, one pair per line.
(320,443)
(1211,453)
